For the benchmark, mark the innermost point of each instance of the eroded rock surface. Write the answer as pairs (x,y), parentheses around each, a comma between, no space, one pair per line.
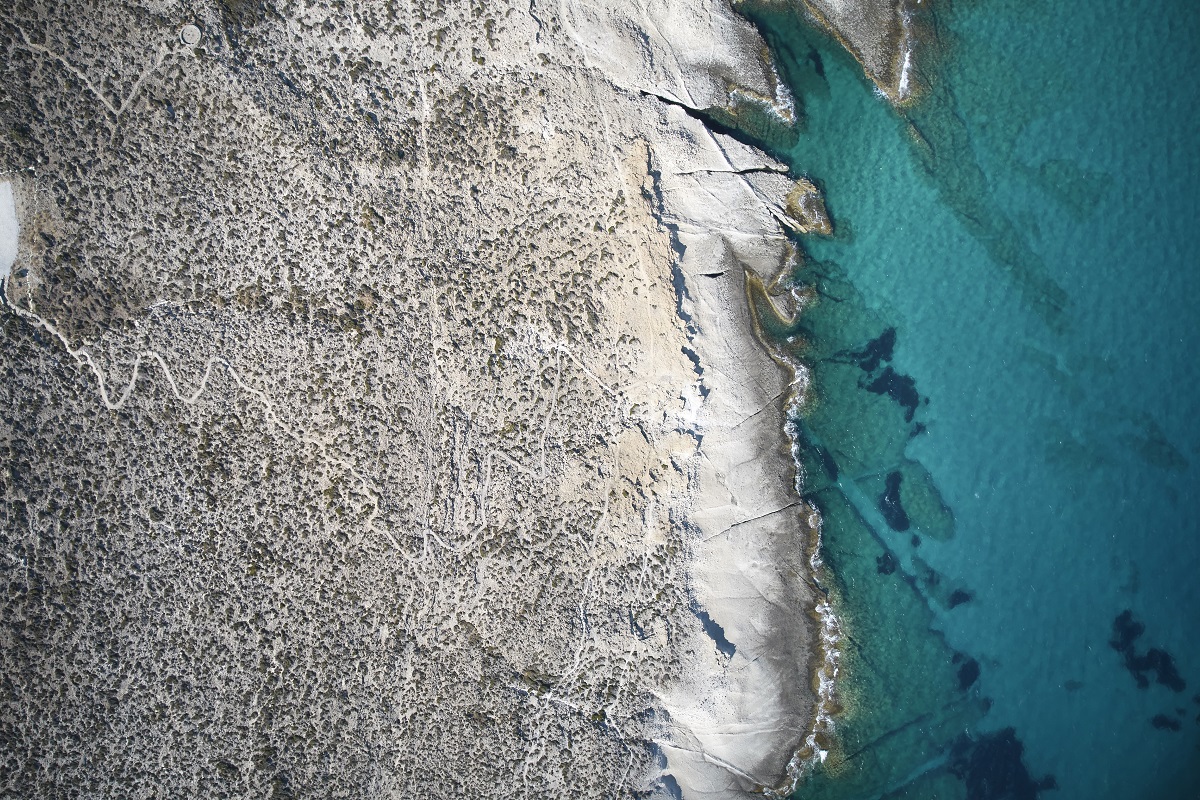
(381,404)
(880,34)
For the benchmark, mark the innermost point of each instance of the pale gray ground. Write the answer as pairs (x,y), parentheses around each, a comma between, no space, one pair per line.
(879,33)
(372,426)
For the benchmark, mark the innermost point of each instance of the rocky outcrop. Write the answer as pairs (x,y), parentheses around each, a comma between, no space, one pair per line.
(806,207)
(880,34)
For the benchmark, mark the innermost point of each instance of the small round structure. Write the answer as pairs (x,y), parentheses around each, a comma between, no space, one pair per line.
(190,35)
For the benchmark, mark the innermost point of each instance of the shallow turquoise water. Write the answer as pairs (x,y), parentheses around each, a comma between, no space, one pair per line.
(1038,263)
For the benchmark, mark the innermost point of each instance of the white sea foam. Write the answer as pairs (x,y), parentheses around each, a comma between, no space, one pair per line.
(910,42)
(782,105)
(785,102)
(903,88)
(10,229)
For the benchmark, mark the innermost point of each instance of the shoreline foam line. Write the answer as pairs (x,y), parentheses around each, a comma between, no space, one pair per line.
(826,665)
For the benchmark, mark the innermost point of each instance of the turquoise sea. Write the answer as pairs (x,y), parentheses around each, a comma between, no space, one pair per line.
(1003,438)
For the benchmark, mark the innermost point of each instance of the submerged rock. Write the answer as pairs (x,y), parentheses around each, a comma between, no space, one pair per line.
(968,673)
(992,767)
(1165,723)
(875,352)
(806,206)
(890,505)
(901,388)
(1126,632)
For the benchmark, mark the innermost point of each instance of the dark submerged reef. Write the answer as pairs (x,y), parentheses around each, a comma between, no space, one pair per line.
(968,673)
(900,388)
(1126,632)
(1166,723)
(1154,662)
(992,768)
(889,504)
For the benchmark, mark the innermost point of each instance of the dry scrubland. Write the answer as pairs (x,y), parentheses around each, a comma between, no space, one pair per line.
(381,412)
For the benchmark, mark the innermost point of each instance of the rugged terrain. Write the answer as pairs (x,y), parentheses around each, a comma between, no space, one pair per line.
(382,415)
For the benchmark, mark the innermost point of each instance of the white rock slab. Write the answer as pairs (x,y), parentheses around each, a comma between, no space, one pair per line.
(10,229)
